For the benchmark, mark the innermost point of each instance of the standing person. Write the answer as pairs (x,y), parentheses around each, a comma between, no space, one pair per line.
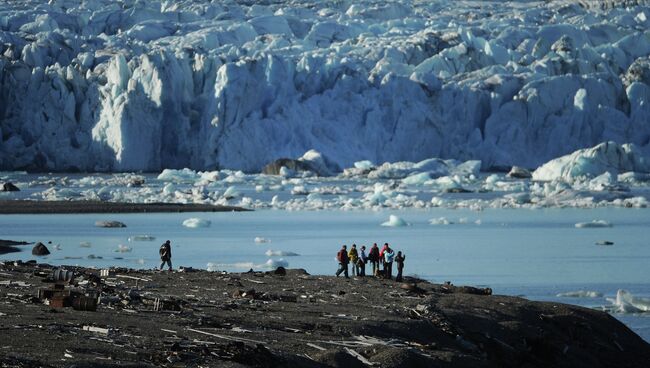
(354,258)
(373,256)
(166,255)
(342,258)
(399,259)
(381,257)
(363,258)
(389,255)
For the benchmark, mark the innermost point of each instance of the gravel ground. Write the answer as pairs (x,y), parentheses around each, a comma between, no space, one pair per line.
(292,319)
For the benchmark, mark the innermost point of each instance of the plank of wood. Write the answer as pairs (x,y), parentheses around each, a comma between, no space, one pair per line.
(359,356)
(231,338)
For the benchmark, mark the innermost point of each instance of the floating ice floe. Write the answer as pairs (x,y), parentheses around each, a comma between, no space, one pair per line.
(593,224)
(195,222)
(580,294)
(85,244)
(261,240)
(280,253)
(625,302)
(395,221)
(141,238)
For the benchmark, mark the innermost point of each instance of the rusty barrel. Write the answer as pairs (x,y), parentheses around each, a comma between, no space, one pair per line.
(61,275)
(85,303)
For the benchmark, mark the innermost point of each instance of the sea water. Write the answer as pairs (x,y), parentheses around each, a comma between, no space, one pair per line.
(532,253)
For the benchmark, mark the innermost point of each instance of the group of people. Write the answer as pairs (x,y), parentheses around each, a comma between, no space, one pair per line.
(358,258)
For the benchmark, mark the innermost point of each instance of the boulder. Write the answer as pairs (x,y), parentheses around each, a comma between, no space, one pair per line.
(109,224)
(9,187)
(295,165)
(519,173)
(40,250)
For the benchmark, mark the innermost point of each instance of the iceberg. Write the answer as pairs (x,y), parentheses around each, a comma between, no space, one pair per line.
(625,302)
(394,221)
(274,263)
(607,157)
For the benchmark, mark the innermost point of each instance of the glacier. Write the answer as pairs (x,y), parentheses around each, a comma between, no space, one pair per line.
(133,85)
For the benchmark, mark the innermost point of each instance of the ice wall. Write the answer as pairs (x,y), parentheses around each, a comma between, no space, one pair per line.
(145,85)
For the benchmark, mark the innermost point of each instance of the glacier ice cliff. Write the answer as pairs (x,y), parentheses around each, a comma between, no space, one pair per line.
(127,85)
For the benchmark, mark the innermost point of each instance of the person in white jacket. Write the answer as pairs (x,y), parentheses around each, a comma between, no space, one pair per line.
(389,256)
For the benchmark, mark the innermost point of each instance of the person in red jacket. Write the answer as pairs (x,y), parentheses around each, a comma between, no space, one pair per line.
(342,258)
(382,259)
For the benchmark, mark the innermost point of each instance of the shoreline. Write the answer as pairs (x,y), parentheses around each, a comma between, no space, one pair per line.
(289,318)
(82,207)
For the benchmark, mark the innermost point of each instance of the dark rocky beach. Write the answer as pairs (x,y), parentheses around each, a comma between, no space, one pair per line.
(70,207)
(193,318)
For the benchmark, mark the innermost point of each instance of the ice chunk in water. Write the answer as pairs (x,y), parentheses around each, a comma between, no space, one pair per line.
(440,221)
(593,224)
(260,240)
(625,302)
(178,176)
(275,263)
(365,165)
(580,294)
(85,244)
(141,238)
(280,253)
(195,222)
(394,221)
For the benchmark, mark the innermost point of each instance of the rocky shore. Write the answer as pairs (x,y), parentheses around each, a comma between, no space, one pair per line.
(48,207)
(191,318)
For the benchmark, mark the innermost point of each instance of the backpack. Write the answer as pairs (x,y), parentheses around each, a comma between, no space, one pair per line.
(163,250)
(339,256)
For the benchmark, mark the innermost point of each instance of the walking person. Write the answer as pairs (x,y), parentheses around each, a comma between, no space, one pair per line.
(165,252)
(373,257)
(389,256)
(354,258)
(399,259)
(342,258)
